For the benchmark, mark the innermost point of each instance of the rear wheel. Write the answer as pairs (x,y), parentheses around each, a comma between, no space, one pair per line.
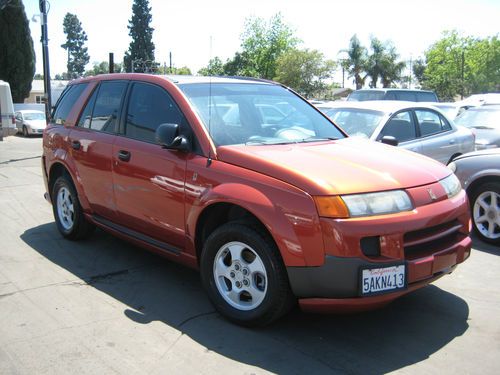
(68,213)
(244,276)
(485,207)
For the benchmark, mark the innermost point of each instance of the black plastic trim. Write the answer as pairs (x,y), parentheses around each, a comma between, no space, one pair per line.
(136,235)
(336,278)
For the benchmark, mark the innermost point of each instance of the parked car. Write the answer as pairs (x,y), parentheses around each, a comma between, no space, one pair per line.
(479,173)
(450,109)
(416,127)
(30,122)
(485,122)
(393,94)
(270,213)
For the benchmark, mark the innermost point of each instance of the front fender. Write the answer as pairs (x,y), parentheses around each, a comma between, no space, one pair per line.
(288,213)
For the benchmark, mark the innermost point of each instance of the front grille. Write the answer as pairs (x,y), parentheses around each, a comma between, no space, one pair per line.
(431,240)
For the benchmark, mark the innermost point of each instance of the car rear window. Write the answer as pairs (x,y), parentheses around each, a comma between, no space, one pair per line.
(66,102)
(361,96)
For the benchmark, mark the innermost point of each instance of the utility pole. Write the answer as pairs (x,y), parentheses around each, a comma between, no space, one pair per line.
(45,56)
(170,57)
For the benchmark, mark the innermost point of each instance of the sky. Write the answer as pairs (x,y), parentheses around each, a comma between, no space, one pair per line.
(186,27)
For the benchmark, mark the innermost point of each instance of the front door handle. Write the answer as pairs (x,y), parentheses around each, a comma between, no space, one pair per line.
(124,155)
(76,145)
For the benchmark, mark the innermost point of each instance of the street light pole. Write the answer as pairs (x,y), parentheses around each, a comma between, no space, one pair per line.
(45,57)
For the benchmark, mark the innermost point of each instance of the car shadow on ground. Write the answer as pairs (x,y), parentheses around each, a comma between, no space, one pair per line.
(477,244)
(406,332)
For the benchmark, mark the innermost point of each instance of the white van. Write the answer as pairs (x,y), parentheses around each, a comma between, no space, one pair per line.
(7,119)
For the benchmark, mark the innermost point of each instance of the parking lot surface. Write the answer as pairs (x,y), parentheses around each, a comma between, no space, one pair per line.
(105,306)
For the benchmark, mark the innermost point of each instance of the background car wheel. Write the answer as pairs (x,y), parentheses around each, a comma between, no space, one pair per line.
(244,275)
(25,131)
(485,207)
(68,213)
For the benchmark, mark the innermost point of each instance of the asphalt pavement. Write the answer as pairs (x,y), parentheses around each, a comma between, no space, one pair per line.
(104,306)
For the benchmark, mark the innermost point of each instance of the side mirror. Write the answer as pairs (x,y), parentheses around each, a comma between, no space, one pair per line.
(389,140)
(167,135)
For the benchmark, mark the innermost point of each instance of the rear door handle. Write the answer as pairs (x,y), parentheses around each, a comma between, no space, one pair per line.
(76,145)
(124,155)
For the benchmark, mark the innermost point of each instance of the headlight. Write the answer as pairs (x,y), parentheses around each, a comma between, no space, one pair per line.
(356,205)
(451,185)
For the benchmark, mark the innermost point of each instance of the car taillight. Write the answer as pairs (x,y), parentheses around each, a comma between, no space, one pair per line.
(13,120)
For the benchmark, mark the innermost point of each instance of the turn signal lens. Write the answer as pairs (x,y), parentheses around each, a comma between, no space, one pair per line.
(331,206)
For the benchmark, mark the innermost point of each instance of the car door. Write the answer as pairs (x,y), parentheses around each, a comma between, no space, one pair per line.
(149,180)
(439,141)
(402,127)
(91,144)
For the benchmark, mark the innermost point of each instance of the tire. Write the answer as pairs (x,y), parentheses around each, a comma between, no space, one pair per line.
(25,131)
(485,212)
(244,275)
(68,213)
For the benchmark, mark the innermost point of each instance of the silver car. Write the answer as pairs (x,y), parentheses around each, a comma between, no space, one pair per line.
(30,122)
(485,122)
(414,126)
(479,173)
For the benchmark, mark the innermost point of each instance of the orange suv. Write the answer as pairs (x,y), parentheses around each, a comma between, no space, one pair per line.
(249,183)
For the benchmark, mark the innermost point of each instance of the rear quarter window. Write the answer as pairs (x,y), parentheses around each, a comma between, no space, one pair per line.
(66,102)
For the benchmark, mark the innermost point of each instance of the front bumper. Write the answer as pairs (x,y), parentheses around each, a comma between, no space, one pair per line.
(335,286)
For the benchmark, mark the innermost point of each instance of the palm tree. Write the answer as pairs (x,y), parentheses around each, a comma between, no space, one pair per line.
(356,62)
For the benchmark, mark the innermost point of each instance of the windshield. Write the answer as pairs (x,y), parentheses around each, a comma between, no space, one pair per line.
(482,118)
(250,113)
(361,96)
(356,122)
(34,116)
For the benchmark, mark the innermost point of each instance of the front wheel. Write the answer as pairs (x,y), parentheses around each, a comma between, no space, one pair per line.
(68,213)
(244,275)
(25,131)
(485,202)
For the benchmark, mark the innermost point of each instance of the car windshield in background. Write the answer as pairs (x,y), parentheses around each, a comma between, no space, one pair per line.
(356,122)
(250,113)
(480,118)
(34,116)
(361,96)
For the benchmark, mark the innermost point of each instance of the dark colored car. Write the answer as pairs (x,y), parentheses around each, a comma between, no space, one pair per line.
(270,209)
(479,173)
(393,94)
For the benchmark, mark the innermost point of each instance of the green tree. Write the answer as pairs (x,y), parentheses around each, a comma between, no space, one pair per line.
(237,65)
(141,52)
(17,56)
(75,46)
(305,71)
(102,68)
(263,43)
(214,68)
(356,61)
(461,66)
(418,68)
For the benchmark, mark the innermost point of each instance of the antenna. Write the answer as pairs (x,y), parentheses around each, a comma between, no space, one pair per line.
(209,160)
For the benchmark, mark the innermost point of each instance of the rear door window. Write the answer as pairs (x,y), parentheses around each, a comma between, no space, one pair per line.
(430,122)
(66,103)
(107,106)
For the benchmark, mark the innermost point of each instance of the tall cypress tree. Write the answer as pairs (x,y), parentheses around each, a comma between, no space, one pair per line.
(17,56)
(141,52)
(75,45)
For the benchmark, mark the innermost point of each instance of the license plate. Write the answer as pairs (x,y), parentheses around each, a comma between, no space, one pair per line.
(379,280)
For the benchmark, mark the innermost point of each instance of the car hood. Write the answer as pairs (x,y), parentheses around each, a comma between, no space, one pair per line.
(36,124)
(346,166)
